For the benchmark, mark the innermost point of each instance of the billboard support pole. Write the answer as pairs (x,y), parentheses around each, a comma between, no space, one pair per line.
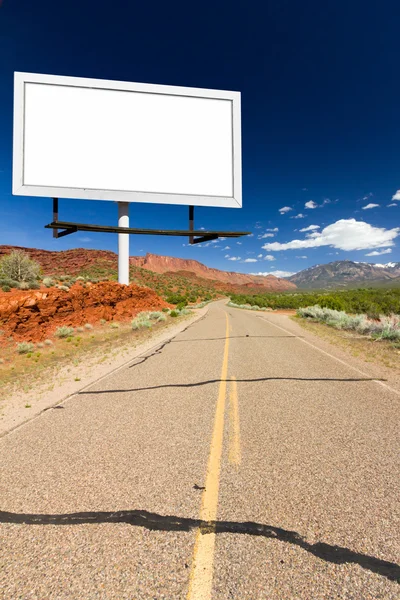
(123,243)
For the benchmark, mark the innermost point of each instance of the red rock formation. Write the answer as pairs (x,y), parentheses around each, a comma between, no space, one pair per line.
(35,315)
(164,264)
(74,261)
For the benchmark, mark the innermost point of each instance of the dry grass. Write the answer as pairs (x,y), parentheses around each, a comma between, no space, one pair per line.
(381,352)
(20,372)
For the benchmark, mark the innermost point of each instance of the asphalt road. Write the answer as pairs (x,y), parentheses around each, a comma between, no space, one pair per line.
(103,497)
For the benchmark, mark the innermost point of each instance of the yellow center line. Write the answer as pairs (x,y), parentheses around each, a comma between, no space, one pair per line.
(235,455)
(200,584)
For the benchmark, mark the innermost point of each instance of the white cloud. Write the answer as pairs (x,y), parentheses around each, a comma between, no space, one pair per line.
(202,228)
(276,273)
(379,252)
(301,256)
(239,243)
(85,239)
(227,255)
(269,257)
(248,260)
(310,228)
(221,239)
(226,248)
(250,235)
(345,234)
(265,235)
(327,201)
(275,229)
(396,196)
(299,216)
(258,225)
(234,258)
(259,255)
(285,209)
(369,195)
(392,204)
(370,206)
(310,204)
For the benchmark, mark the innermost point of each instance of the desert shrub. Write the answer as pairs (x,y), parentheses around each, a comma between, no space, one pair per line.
(141,323)
(174,313)
(255,307)
(162,317)
(64,332)
(80,278)
(48,342)
(114,325)
(65,288)
(40,345)
(6,288)
(10,282)
(25,347)
(155,315)
(103,321)
(24,285)
(80,329)
(34,285)
(18,266)
(383,328)
(64,278)
(88,326)
(165,309)
(184,311)
(48,282)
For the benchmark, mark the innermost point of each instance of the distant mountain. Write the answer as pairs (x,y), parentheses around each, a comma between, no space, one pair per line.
(347,273)
(169,264)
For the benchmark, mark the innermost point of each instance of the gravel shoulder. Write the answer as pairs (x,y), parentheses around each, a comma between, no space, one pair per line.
(19,406)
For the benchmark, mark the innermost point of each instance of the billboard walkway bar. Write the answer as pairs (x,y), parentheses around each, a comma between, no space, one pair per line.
(73,227)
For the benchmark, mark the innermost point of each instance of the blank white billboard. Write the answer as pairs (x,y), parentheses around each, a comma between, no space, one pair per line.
(131,142)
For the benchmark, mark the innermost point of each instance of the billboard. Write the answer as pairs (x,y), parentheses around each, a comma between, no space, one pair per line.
(130,142)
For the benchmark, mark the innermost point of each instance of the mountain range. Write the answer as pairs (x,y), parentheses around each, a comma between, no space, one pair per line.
(334,275)
(347,273)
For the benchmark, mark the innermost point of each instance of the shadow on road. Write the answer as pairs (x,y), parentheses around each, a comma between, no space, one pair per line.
(155,522)
(200,383)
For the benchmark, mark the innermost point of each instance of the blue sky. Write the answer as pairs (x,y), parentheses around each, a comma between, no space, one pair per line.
(320,120)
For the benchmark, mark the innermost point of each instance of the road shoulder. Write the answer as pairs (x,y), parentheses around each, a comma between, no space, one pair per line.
(22,407)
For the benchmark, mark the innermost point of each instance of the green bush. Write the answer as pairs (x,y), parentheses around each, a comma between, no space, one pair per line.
(383,328)
(48,282)
(174,313)
(18,266)
(64,332)
(10,282)
(6,288)
(25,347)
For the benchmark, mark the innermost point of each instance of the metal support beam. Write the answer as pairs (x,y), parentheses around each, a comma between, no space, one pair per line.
(191,223)
(59,234)
(204,238)
(55,216)
(123,243)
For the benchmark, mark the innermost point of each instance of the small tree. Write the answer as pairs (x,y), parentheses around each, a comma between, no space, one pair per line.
(19,266)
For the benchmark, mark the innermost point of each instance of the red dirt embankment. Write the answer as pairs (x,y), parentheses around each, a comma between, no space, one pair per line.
(34,315)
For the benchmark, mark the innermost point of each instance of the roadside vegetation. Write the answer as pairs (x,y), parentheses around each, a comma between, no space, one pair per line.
(370,302)
(383,328)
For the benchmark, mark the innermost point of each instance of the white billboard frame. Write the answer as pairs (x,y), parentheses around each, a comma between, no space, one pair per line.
(19,187)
